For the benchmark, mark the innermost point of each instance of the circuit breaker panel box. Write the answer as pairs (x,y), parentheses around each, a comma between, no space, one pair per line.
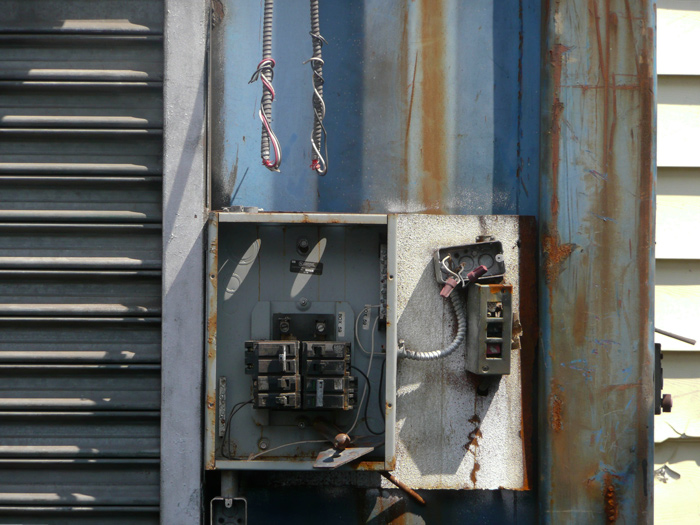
(301,346)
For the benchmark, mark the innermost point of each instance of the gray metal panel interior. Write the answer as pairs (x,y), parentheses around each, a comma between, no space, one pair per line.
(351,275)
(80,260)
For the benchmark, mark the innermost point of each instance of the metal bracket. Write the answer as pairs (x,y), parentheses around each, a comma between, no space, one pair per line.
(228,511)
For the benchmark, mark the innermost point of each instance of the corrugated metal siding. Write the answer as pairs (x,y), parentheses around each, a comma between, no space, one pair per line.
(80,260)
(677,434)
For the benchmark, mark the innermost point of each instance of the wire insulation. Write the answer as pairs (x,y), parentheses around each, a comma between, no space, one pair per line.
(265,74)
(319,162)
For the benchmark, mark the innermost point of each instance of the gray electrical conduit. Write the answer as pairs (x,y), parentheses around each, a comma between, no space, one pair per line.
(267,73)
(461,313)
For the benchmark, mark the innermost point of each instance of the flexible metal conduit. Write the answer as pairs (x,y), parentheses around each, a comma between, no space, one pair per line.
(461,313)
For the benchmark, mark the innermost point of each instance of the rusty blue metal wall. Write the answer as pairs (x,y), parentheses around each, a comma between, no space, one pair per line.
(596,303)
(431,105)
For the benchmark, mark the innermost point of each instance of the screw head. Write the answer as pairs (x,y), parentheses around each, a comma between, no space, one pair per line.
(264,444)
(284,327)
(485,368)
(320,327)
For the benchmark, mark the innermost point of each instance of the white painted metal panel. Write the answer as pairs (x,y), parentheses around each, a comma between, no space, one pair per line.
(678,302)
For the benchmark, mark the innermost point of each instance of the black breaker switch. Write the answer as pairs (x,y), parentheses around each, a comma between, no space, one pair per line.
(294,375)
(274,366)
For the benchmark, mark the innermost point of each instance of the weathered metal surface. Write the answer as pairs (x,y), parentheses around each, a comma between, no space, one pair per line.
(184,249)
(75,434)
(80,258)
(65,340)
(449,436)
(597,230)
(79,482)
(431,105)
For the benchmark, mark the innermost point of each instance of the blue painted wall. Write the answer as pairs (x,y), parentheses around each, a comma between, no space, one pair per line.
(382,87)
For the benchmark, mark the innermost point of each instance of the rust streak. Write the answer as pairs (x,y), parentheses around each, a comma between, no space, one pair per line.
(406,99)
(433,104)
(555,254)
(610,502)
(556,59)
(556,405)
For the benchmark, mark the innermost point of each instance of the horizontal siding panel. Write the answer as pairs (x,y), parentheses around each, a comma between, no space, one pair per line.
(678,181)
(75,58)
(81,104)
(677,89)
(678,135)
(67,388)
(677,483)
(72,246)
(80,199)
(40,16)
(84,293)
(674,214)
(79,482)
(36,340)
(677,294)
(90,434)
(678,26)
(92,152)
(681,373)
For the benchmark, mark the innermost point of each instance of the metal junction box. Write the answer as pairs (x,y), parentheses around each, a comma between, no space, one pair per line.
(303,309)
(298,321)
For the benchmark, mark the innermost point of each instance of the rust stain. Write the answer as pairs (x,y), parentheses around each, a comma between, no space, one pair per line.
(528,341)
(406,99)
(556,404)
(475,469)
(218,12)
(433,112)
(610,501)
(555,253)
(556,60)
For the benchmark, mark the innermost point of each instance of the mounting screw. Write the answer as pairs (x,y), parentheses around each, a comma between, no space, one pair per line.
(303,246)
(320,327)
(264,444)
(485,368)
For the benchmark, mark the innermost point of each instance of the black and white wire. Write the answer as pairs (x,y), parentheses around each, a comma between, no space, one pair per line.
(369,396)
(369,373)
(227,429)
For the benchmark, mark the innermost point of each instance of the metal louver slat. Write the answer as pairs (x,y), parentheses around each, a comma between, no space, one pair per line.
(91,340)
(88,434)
(81,57)
(80,260)
(80,199)
(81,104)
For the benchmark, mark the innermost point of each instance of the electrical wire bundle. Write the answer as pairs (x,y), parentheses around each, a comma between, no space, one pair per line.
(319,162)
(265,74)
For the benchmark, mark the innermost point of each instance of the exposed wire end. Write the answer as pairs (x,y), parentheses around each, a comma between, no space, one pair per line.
(264,72)
(319,161)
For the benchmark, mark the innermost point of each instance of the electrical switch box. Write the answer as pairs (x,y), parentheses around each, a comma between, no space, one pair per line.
(299,338)
(489,328)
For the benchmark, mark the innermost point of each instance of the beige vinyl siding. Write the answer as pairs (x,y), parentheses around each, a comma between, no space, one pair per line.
(677,434)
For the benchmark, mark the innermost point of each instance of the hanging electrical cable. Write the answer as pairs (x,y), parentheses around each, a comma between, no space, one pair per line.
(319,162)
(264,72)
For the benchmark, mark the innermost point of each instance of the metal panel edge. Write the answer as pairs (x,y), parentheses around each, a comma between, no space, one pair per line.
(184,219)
